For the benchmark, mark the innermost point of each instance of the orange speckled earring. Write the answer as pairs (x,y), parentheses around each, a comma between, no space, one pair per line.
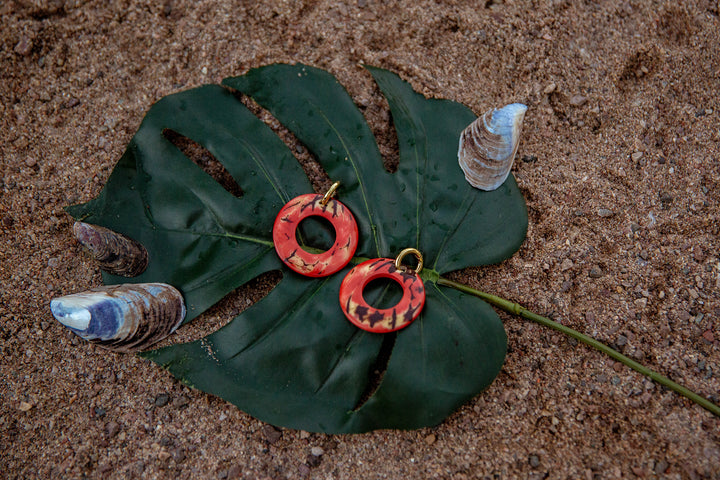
(342,220)
(372,319)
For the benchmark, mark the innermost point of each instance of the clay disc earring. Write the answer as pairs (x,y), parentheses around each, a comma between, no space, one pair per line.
(315,264)
(372,319)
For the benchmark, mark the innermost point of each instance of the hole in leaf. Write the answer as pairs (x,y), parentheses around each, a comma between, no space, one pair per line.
(220,314)
(205,160)
(382,293)
(377,371)
(316,232)
(378,117)
(315,172)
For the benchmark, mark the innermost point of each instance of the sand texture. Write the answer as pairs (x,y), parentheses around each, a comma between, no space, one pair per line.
(619,163)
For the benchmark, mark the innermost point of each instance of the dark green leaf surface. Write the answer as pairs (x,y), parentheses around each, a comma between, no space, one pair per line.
(292,359)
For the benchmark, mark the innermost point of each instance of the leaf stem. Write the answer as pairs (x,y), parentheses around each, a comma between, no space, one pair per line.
(517,309)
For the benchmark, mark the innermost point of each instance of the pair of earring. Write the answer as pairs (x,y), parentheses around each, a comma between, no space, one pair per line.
(352,302)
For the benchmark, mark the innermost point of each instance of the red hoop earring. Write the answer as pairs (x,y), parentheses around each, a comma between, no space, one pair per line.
(372,319)
(315,264)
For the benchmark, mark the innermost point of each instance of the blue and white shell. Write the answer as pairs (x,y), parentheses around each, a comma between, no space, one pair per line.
(488,146)
(125,318)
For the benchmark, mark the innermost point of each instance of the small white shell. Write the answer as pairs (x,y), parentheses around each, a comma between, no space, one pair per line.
(488,146)
(124,318)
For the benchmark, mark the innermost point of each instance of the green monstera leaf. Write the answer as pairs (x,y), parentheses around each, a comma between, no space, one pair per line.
(292,359)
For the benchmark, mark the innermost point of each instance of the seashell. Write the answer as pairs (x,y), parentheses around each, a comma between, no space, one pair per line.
(488,146)
(125,318)
(115,253)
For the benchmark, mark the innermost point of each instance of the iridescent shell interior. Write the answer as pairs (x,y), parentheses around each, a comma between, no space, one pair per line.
(488,146)
(124,318)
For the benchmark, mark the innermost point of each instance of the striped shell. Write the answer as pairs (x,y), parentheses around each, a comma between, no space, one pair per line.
(488,145)
(115,253)
(125,318)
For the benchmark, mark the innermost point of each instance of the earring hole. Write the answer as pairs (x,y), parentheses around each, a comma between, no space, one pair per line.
(382,293)
(315,233)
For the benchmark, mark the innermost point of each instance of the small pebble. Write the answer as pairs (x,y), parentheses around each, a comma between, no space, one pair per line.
(304,470)
(637,156)
(25,406)
(708,336)
(162,400)
(430,439)
(621,341)
(181,401)
(578,100)
(110,123)
(566,264)
(272,434)
(313,461)
(99,412)
(534,461)
(234,472)
(661,466)
(605,213)
(529,158)
(595,272)
(138,468)
(72,103)
(112,429)
(317,451)
(24,46)
(549,89)
(178,455)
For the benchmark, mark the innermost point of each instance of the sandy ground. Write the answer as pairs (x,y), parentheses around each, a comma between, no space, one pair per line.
(619,164)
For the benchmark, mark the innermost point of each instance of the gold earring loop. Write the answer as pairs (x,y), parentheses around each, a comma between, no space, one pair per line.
(401,255)
(330,193)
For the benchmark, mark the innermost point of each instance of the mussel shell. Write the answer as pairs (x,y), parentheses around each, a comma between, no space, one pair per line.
(114,252)
(125,318)
(488,146)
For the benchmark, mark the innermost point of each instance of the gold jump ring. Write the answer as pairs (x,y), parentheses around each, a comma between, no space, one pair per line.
(330,193)
(418,255)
